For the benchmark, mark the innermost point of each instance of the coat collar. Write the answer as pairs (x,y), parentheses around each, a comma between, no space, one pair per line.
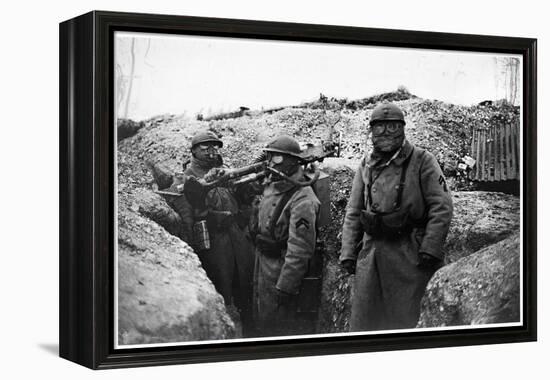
(401,155)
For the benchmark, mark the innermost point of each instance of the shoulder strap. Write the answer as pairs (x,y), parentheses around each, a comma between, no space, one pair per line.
(279,209)
(401,183)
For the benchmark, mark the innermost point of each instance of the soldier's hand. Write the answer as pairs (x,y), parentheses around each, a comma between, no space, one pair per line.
(349,266)
(427,261)
(283,298)
(213,174)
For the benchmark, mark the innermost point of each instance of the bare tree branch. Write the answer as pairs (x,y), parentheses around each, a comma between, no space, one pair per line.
(131,78)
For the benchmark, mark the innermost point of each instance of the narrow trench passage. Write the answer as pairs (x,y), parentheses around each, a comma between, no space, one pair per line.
(169,218)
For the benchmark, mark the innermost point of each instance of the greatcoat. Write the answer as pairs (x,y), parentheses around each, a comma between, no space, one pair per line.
(284,270)
(389,283)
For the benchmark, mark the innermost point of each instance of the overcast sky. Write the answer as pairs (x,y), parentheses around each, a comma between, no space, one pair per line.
(177,74)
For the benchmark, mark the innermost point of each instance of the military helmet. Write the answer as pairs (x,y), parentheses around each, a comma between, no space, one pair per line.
(284,144)
(386,111)
(205,136)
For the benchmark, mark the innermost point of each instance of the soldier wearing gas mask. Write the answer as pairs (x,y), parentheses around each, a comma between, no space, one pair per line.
(215,229)
(395,226)
(285,236)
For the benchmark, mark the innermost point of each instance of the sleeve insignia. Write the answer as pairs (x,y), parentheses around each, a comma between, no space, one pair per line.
(302,222)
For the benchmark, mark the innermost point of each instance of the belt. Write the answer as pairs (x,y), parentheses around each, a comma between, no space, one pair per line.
(270,247)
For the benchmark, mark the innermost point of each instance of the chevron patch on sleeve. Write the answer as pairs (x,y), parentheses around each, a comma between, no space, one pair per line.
(302,223)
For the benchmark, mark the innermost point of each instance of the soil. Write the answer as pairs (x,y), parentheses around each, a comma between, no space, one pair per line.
(161,146)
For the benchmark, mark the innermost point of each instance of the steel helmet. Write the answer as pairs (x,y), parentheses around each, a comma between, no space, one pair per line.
(205,136)
(387,111)
(284,144)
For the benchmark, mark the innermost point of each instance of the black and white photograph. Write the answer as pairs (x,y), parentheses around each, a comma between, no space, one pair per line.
(286,189)
(275,190)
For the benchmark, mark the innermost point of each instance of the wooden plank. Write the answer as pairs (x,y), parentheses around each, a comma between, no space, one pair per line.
(473,174)
(473,143)
(487,161)
(515,143)
(479,168)
(487,154)
(496,161)
(502,157)
(483,142)
(478,165)
(512,153)
(490,152)
(508,153)
(518,148)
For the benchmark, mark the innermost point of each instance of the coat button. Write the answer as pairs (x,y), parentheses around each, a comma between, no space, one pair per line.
(375,206)
(396,187)
(374,190)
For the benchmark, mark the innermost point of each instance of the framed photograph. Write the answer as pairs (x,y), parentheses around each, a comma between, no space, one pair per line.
(237,189)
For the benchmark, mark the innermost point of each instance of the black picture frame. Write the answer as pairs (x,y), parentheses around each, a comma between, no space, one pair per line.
(87,149)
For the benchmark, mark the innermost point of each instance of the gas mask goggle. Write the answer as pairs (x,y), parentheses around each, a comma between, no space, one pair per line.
(387,136)
(286,164)
(274,158)
(209,150)
(380,128)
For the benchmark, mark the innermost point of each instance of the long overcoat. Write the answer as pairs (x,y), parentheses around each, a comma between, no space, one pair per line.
(229,263)
(389,283)
(284,272)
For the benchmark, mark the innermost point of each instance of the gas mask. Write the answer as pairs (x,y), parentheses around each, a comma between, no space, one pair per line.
(207,154)
(387,136)
(284,163)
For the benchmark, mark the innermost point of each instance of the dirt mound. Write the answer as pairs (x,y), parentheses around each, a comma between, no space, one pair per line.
(164,294)
(479,289)
(442,128)
(127,128)
(480,218)
(343,103)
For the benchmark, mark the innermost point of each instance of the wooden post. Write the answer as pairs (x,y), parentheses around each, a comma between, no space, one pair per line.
(472,152)
(496,156)
(478,161)
(508,153)
(483,142)
(492,153)
(502,157)
(514,145)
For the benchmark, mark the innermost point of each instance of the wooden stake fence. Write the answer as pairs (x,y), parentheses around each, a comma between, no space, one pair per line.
(496,151)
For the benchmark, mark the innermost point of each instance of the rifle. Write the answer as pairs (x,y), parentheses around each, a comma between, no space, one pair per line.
(196,188)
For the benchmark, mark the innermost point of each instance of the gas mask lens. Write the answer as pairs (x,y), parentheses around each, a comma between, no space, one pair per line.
(275,159)
(210,148)
(380,128)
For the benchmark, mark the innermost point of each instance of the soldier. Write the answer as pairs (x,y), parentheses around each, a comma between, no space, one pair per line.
(285,242)
(398,216)
(229,259)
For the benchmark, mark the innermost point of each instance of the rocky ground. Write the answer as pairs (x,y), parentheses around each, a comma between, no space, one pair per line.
(164,294)
(482,288)
(481,218)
